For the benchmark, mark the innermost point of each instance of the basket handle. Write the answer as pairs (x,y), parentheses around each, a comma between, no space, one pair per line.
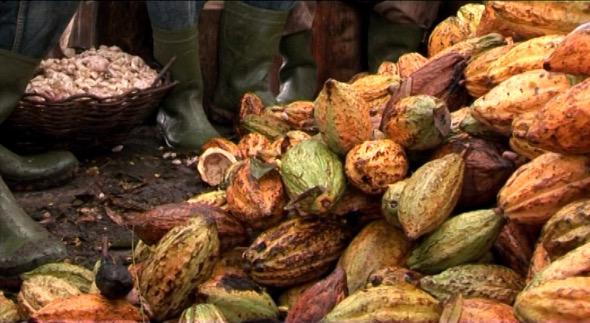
(164,70)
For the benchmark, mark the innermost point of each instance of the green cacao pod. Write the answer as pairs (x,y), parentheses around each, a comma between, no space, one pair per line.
(182,260)
(76,275)
(313,176)
(418,122)
(387,303)
(336,106)
(294,252)
(360,259)
(390,202)
(567,229)
(487,281)
(430,195)
(564,300)
(238,298)
(462,239)
(574,263)
(202,313)
(40,290)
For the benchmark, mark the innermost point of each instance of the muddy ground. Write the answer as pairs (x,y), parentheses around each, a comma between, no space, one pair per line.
(109,188)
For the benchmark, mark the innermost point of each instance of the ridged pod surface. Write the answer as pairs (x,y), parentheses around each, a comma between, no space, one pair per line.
(9,311)
(447,33)
(76,275)
(562,124)
(342,116)
(418,122)
(525,149)
(571,56)
(386,303)
(202,313)
(252,144)
(539,261)
(574,263)
(250,104)
(393,275)
(374,87)
(40,290)
(294,252)
(525,56)
(390,202)
(567,229)
(388,68)
(89,308)
(523,20)
(298,114)
(485,281)
(522,93)
(217,198)
(461,239)
(541,187)
(476,72)
(430,195)
(360,259)
(472,46)
(182,260)
(565,300)
(408,63)
(373,165)
(313,176)
(471,15)
(225,144)
(256,202)
(461,310)
(238,298)
(265,124)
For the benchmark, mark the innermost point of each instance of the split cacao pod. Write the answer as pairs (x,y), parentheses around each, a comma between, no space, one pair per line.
(225,144)
(213,164)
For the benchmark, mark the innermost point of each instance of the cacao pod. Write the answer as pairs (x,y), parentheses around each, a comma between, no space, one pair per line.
(225,144)
(213,164)
(386,303)
(388,68)
(471,14)
(567,229)
(390,202)
(524,148)
(335,107)
(202,313)
(356,202)
(238,298)
(76,275)
(539,261)
(182,260)
(419,122)
(88,308)
(360,259)
(525,56)
(461,239)
(257,202)
(408,63)
(430,195)
(265,124)
(373,165)
(562,124)
(574,263)
(541,187)
(216,198)
(375,87)
(477,129)
(9,311)
(393,275)
(281,145)
(304,170)
(289,297)
(294,252)
(486,169)
(447,33)
(319,299)
(141,252)
(250,104)
(472,46)
(476,72)
(485,281)
(570,56)
(522,20)
(564,300)
(298,115)
(252,144)
(519,94)
(151,226)
(514,248)
(461,310)
(39,290)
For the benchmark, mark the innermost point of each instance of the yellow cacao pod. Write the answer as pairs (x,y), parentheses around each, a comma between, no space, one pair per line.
(408,63)
(40,290)
(567,229)
(476,72)
(447,33)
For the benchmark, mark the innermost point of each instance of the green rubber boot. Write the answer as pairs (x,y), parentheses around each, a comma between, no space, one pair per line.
(181,116)
(24,244)
(249,40)
(298,74)
(37,171)
(388,41)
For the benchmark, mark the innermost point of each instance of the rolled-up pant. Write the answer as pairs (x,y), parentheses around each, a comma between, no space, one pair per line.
(33,28)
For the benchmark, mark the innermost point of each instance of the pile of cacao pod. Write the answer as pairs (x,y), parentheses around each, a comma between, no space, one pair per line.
(451,188)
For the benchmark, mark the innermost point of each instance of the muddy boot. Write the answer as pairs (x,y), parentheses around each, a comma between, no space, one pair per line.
(37,171)
(298,75)
(249,40)
(181,117)
(388,41)
(24,244)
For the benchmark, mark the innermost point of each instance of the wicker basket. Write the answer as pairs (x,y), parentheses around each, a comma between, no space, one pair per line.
(83,123)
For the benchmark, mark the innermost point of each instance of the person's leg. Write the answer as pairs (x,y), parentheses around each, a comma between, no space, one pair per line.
(298,74)
(249,38)
(181,116)
(28,31)
(396,28)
